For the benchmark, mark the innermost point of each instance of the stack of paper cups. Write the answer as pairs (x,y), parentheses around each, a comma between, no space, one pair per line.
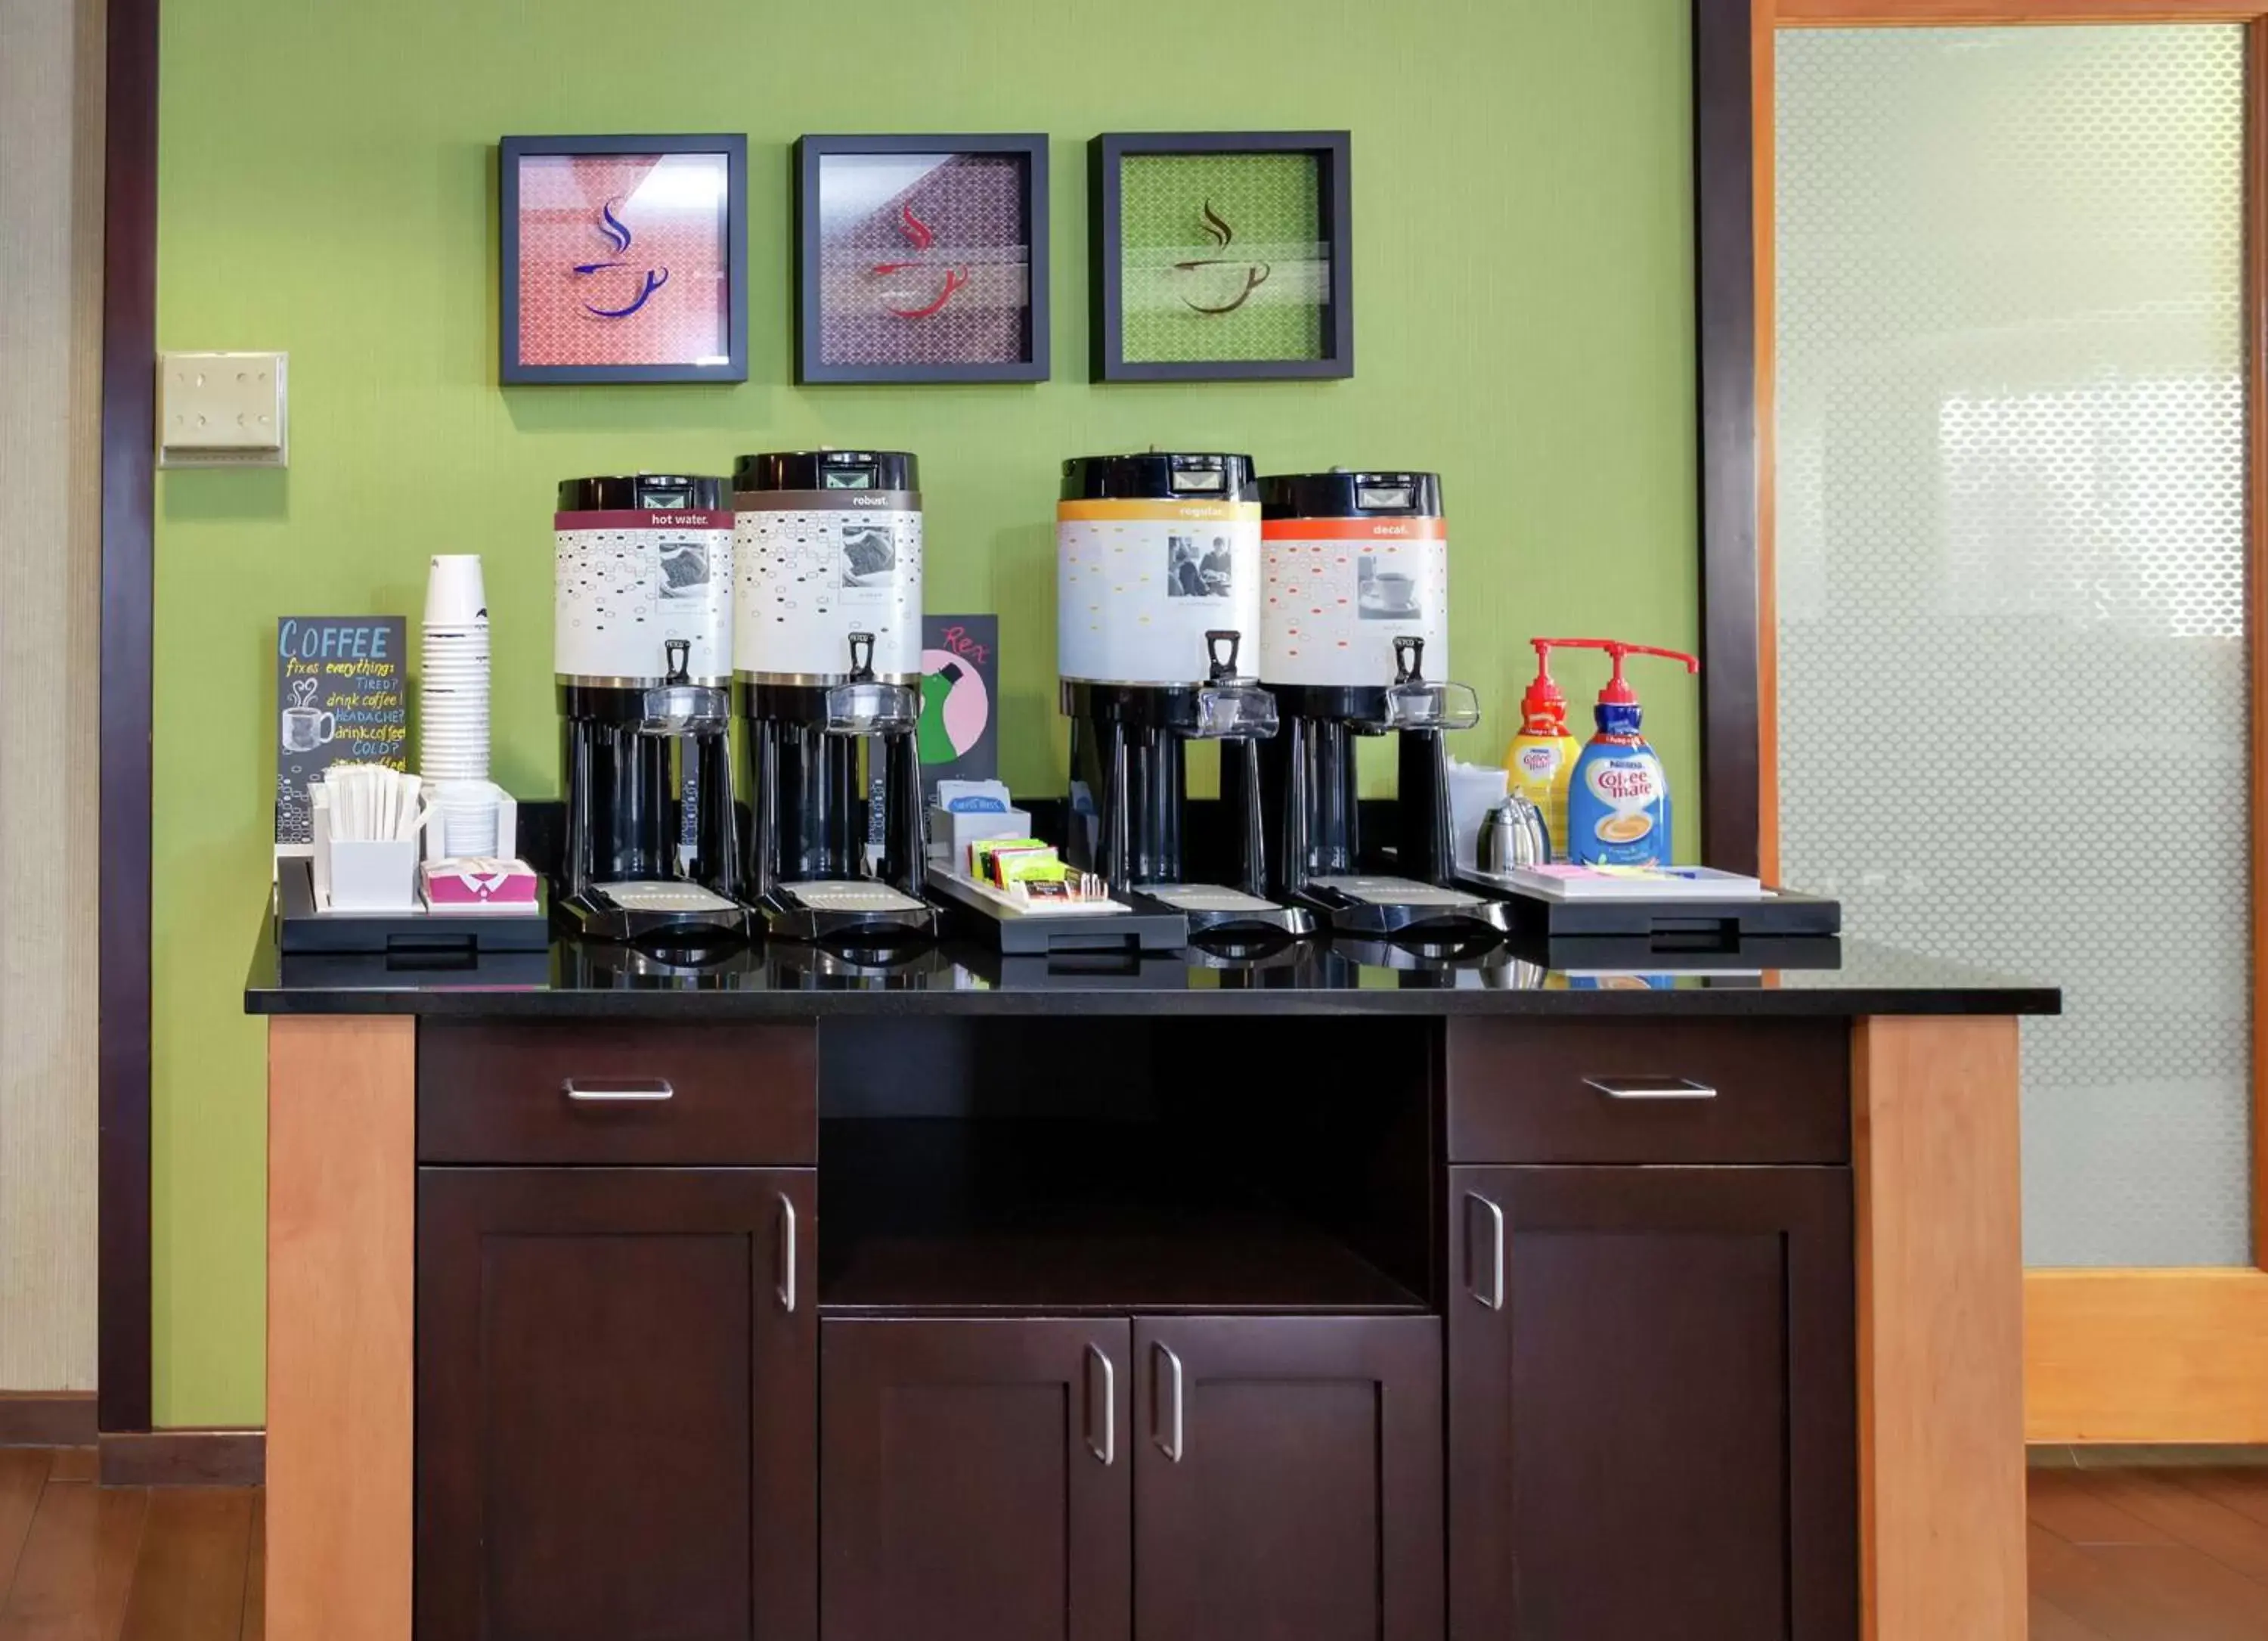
(453,727)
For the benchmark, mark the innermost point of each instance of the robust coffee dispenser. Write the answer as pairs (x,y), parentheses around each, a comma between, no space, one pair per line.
(1356,583)
(827,637)
(1157,593)
(642,654)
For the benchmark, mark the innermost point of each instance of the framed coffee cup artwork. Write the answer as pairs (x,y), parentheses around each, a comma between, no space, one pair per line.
(920,259)
(624,259)
(1221,255)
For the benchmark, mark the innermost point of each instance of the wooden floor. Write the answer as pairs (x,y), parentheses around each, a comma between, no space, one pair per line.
(2176,1554)
(2170,1555)
(82,1562)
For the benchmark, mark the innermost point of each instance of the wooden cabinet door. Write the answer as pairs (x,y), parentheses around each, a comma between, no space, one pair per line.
(974,1476)
(1652,1404)
(616,1404)
(1287,1479)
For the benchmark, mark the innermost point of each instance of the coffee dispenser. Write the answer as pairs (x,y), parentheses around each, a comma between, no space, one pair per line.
(827,644)
(1157,598)
(642,655)
(1356,583)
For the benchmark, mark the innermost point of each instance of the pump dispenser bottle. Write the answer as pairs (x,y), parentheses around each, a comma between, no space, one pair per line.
(1619,799)
(1541,761)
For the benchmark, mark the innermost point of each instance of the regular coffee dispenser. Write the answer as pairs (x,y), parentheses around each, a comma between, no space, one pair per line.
(1158,613)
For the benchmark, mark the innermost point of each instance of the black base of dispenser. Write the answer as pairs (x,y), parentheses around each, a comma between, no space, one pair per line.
(1377,914)
(593,916)
(785,916)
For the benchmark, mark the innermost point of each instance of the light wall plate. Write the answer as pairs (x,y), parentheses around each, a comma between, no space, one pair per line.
(222,410)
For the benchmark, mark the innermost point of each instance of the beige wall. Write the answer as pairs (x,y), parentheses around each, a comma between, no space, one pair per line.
(50,542)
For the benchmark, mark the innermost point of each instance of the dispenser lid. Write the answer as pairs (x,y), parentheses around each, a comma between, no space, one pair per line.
(1344,493)
(649,492)
(828,470)
(1160,475)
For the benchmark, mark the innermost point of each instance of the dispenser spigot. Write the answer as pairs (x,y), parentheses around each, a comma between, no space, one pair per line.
(862,657)
(1409,653)
(678,653)
(1221,645)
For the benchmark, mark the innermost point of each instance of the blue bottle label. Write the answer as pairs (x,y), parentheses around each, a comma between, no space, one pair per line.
(1618,808)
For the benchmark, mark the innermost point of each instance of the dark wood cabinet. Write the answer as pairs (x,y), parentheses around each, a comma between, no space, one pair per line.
(1174,1479)
(975,1480)
(1287,1479)
(1652,1407)
(616,1384)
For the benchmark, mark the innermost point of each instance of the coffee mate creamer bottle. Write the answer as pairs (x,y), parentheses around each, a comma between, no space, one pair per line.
(1618,803)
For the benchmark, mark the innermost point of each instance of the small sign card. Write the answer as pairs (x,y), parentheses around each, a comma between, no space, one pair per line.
(960,731)
(341,698)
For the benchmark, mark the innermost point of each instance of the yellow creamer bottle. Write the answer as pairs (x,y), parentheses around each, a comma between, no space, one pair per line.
(1541,761)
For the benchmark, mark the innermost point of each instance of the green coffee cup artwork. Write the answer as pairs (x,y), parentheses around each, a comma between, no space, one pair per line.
(1222,257)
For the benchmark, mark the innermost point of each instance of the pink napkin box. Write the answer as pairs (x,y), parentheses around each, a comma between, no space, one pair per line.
(478,885)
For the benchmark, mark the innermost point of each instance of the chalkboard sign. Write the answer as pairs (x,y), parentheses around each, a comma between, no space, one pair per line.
(341,698)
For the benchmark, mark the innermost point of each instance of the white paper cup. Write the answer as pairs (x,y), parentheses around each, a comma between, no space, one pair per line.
(454,596)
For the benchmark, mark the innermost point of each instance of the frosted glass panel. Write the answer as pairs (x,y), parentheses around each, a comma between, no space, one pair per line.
(2010,557)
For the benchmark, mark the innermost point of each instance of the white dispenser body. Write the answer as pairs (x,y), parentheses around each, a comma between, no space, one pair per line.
(816,565)
(626,583)
(1140,583)
(1338,591)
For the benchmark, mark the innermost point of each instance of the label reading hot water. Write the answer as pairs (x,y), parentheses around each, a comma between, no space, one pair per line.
(627,583)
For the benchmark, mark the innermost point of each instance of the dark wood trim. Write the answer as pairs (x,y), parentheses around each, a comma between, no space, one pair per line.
(129,384)
(61,1418)
(184,1458)
(1724,226)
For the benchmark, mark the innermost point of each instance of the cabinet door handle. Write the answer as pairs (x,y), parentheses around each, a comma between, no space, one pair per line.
(1650,1088)
(619,1091)
(1166,1431)
(1107,1449)
(1494,1298)
(787,1255)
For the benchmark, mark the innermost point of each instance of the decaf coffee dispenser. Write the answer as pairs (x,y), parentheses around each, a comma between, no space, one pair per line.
(642,644)
(827,637)
(1355,580)
(1157,597)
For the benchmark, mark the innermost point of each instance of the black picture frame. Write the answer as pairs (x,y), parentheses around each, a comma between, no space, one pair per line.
(512,151)
(1333,151)
(811,365)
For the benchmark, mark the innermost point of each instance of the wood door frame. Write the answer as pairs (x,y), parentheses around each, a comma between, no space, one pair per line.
(130,423)
(2111,1355)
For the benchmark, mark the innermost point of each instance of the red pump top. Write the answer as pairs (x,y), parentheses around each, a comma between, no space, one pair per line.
(1544,708)
(1618,691)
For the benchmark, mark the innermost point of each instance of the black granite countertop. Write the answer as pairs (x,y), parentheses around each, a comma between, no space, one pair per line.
(577,980)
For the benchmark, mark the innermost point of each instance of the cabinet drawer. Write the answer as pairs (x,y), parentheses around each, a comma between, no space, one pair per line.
(1649,1091)
(617,1094)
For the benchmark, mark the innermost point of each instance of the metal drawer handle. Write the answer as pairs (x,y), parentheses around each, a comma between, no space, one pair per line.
(619,1091)
(1494,1298)
(1650,1088)
(1107,1449)
(1168,1440)
(787,1256)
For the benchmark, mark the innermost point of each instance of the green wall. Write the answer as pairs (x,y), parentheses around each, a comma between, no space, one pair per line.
(1523,295)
